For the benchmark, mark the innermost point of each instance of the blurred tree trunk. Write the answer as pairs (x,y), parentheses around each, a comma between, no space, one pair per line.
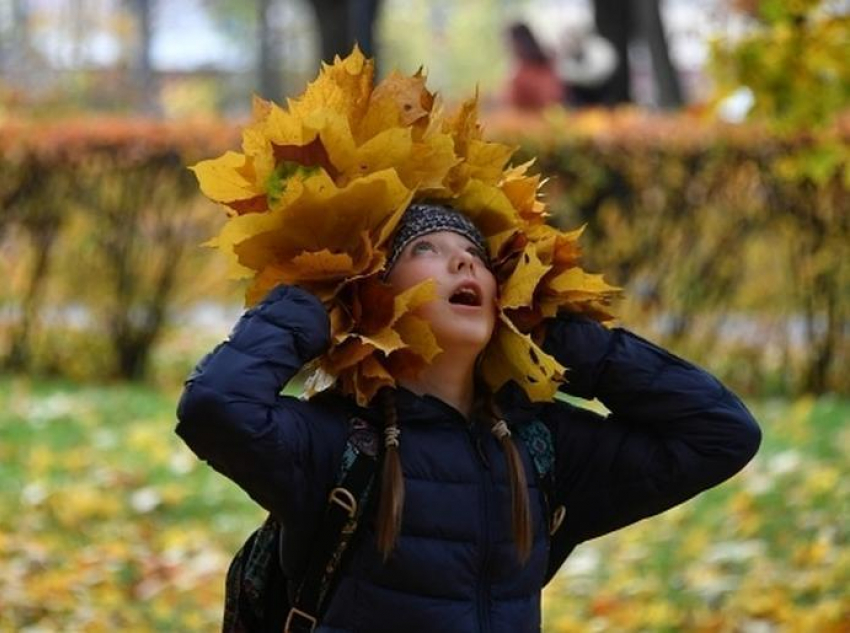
(618,21)
(36,211)
(271,86)
(143,76)
(668,90)
(43,229)
(344,22)
(141,278)
(363,14)
(613,22)
(332,17)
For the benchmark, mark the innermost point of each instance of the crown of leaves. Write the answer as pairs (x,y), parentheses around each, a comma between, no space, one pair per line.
(319,188)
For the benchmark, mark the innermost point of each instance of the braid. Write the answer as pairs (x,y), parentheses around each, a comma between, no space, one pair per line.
(392,481)
(520,512)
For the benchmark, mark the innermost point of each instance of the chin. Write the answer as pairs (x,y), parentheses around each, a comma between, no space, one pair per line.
(474,338)
(455,331)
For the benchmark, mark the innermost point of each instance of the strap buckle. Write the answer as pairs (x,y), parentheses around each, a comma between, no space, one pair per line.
(344,499)
(300,619)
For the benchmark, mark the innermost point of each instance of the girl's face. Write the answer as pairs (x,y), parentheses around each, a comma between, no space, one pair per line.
(464,313)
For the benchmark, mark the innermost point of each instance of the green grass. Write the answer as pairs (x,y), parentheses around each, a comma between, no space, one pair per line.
(101,500)
(108,522)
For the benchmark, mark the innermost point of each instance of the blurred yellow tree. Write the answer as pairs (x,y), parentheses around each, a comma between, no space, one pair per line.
(795,63)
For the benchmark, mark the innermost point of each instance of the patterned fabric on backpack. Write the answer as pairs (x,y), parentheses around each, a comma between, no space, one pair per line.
(255,589)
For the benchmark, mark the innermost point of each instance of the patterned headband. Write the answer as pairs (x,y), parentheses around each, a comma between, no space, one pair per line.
(423,218)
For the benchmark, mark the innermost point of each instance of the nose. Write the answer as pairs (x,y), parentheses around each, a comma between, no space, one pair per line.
(462,260)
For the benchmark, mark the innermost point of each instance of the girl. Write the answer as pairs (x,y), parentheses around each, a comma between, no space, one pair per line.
(458,541)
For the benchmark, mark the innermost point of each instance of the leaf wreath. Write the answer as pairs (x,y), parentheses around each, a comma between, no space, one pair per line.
(319,188)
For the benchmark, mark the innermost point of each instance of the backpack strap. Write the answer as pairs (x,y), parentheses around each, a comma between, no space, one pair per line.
(345,507)
(541,446)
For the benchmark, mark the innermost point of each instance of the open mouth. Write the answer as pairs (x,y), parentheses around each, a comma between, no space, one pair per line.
(467,295)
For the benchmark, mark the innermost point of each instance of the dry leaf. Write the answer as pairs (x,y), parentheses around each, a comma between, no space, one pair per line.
(512,355)
(518,290)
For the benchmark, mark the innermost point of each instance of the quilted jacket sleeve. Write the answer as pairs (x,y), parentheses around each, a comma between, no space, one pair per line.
(673,431)
(231,412)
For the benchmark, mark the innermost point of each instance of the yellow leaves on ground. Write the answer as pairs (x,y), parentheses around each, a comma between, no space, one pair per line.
(320,187)
(136,537)
(139,537)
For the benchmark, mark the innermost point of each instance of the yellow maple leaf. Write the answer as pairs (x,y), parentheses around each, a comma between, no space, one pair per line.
(282,127)
(575,290)
(228,178)
(385,150)
(371,204)
(555,247)
(519,171)
(346,354)
(487,207)
(427,165)
(321,264)
(256,145)
(343,87)
(237,230)
(464,125)
(518,290)
(384,326)
(386,341)
(512,355)
(367,379)
(523,192)
(414,297)
(417,334)
(577,283)
(486,160)
(396,101)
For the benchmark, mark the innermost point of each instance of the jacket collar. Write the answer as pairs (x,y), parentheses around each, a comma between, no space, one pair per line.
(413,408)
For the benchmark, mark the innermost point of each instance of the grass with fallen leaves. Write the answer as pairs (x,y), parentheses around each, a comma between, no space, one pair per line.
(107,523)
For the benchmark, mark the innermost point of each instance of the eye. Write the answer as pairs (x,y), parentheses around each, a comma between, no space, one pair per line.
(476,252)
(421,246)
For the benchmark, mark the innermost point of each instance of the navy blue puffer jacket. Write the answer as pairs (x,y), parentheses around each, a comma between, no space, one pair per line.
(673,431)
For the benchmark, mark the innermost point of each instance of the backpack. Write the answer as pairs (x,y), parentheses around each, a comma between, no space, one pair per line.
(258,595)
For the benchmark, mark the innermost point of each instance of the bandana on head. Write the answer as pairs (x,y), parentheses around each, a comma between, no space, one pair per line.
(422,219)
(327,192)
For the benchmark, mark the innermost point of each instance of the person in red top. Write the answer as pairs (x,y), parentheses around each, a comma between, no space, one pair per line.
(534,84)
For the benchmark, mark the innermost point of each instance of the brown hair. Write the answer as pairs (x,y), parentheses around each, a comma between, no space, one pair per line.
(391,500)
(521,524)
(392,481)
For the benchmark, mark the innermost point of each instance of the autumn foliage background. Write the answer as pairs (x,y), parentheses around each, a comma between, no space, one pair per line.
(730,242)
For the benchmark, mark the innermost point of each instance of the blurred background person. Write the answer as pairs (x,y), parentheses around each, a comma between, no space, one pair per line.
(533,84)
